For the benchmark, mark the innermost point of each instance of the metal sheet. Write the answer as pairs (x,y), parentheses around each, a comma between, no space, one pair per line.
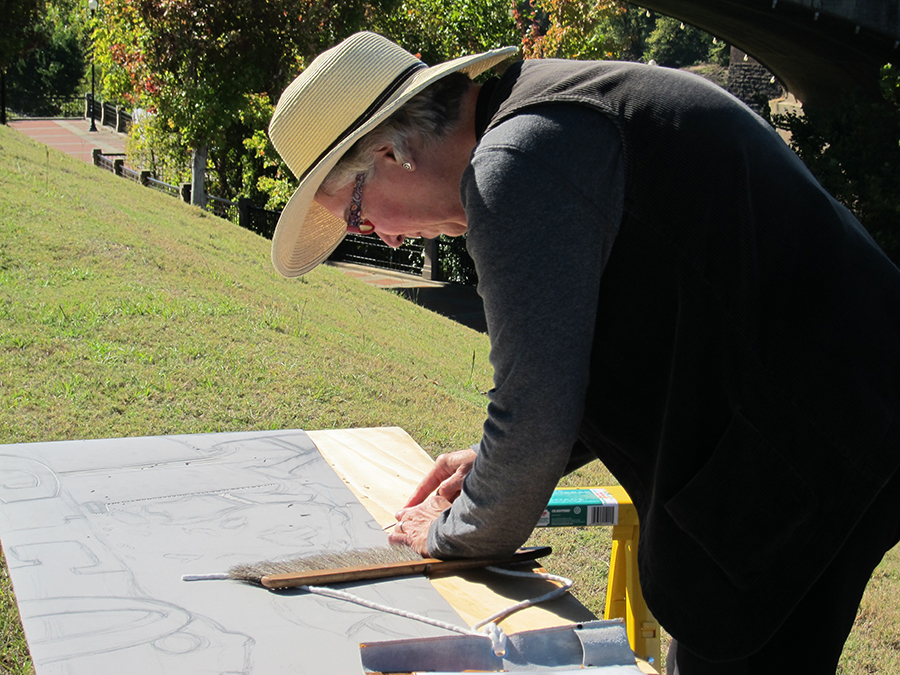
(97,535)
(595,646)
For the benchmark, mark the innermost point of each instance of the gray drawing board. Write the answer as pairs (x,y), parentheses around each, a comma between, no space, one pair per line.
(97,534)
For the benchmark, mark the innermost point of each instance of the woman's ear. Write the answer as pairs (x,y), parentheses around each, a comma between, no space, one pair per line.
(386,152)
(387,157)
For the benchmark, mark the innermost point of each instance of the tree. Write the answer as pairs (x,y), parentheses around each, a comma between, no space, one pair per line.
(22,31)
(674,44)
(21,34)
(197,63)
(630,29)
(853,149)
(439,30)
(55,70)
(568,29)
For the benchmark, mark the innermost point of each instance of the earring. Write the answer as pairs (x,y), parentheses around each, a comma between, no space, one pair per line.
(407,165)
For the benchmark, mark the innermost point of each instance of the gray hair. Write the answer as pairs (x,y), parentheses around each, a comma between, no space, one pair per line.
(430,116)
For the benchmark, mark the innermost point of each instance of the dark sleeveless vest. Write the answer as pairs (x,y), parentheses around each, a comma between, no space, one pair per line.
(745,375)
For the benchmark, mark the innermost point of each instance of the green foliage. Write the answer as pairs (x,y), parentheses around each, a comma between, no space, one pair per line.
(55,69)
(630,29)
(439,30)
(240,163)
(119,37)
(605,30)
(853,149)
(235,169)
(273,181)
(890,85)
(575,29)
(674,44)
(208,71)
(195,61)
(154,145)
(22,29)
(456,265)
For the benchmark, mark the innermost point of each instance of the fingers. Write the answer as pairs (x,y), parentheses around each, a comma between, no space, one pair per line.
(415,522)
(428,485)
(451,487)
(446,467)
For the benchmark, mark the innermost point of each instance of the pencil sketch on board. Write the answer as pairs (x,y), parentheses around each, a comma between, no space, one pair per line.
(98,533)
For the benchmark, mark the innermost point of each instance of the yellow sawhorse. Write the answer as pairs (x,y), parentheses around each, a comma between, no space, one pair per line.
(624,599)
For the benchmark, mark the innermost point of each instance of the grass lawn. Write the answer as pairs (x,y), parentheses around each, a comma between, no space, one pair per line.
(124,312)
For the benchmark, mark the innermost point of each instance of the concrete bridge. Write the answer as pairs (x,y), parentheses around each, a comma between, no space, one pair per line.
(819,49)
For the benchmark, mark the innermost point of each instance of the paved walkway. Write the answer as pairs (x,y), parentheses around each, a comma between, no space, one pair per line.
(460,303)
(72,136)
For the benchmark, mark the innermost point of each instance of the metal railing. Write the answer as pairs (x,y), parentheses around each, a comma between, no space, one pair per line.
(107,114)
(156,184)
(43,106)
(109,162)
(441,259)
(257,219)
(366,250)
(141,177)
(224,208)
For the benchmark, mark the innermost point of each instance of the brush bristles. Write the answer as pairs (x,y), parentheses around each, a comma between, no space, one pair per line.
(254,572)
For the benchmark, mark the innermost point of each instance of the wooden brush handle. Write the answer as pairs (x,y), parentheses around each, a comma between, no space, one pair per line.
(397,569)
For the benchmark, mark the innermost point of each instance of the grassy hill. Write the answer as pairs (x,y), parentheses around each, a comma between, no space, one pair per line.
(124,312)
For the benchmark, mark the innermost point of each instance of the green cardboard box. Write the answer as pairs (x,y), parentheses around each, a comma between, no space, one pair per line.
(578,507)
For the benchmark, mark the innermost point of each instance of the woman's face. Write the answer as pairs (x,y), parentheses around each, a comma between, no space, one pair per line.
(398,203)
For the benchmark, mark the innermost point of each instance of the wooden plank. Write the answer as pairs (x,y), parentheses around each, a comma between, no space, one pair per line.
(382,467)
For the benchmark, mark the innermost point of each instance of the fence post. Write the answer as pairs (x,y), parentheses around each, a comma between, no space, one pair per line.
(117,166)
(186,193)
(145,177)
(95,156)
(431,267)
(199,157)
(2,96)
(243,206)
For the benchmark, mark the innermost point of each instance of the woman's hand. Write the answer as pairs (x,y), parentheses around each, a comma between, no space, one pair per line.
(444,480)
(414,523)
(446,476)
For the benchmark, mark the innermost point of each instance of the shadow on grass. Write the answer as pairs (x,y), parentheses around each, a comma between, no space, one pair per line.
(457,302)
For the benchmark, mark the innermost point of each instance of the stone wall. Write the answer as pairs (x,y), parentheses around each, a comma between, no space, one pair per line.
(749,81)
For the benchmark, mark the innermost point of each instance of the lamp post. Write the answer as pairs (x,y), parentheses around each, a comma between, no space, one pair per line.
(93,5)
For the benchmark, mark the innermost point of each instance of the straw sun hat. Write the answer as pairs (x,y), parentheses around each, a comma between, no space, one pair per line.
(343,94)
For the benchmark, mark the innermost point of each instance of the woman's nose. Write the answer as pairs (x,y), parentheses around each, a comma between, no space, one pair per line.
(392,240)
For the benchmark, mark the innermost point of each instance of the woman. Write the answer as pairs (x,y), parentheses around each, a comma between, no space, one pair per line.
(666,288)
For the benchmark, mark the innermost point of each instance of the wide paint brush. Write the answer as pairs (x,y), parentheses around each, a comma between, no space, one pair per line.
(372,563)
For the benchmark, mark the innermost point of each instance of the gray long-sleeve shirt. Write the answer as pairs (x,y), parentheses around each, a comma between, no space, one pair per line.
(544,198)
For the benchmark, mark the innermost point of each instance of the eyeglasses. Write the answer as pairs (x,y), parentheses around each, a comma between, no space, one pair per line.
(355,222)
